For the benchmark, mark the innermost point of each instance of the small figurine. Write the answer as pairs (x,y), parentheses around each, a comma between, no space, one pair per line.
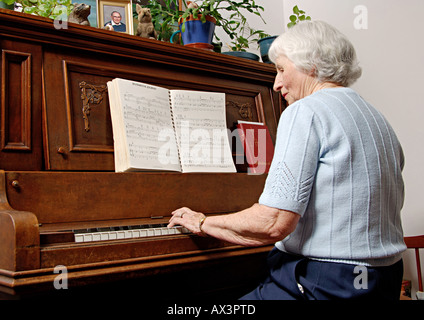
(145,28)
(108,27)
(79,14)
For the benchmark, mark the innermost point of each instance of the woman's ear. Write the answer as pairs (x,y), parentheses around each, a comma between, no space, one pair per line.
(313,72)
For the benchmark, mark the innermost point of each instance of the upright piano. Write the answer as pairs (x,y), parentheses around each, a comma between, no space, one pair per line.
(69,224)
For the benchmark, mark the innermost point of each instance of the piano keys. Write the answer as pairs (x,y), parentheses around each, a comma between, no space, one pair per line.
(127,232)
(115,233)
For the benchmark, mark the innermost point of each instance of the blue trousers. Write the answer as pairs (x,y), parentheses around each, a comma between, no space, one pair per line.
(292,277)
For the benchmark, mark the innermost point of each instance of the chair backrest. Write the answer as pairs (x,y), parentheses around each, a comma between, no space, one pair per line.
(416,243)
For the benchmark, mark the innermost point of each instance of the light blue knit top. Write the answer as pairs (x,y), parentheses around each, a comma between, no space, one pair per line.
(338,164)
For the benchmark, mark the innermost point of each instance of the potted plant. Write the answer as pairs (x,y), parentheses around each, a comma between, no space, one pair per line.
(242,42)
(265,43)
(199,10)
(197,27)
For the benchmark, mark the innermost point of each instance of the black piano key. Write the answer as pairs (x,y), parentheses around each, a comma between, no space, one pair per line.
(136,227)
(104,229)
(81,231)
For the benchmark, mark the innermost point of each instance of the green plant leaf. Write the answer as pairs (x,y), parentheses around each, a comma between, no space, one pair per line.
(293,18)
(8,2)
(291,24)
(295,10)
(45,8)
(30,10)
(44,13)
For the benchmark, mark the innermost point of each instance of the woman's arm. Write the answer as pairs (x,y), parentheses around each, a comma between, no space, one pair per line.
(255,226)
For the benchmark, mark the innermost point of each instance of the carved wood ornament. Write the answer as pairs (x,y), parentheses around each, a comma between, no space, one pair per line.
(244,109)
(90,94)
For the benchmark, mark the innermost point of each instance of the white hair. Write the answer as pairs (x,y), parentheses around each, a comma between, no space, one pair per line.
(319,49)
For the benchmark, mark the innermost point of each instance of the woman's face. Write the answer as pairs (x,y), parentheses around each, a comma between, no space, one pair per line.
(291,82)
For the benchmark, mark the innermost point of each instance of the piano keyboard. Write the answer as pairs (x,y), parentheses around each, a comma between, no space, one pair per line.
(126,232)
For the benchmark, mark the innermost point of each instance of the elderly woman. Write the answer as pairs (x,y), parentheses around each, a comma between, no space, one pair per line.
(333,195)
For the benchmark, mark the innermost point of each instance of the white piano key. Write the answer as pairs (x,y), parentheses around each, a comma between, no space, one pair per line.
(164,231)
(79,238)
(112,235)
(88,237)
(95,236)
(104,236)
(128,234)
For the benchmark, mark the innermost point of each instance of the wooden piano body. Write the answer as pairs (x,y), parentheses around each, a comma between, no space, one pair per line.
(57,171)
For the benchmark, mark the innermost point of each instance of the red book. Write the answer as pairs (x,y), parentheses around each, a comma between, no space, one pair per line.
(257,145)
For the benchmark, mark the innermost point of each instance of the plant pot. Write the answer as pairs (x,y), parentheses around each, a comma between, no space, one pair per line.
(243,54)
(264,45)
(200,45)
(197,32)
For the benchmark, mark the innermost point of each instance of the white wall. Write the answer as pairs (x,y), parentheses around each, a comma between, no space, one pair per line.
(272,15)
(391,52)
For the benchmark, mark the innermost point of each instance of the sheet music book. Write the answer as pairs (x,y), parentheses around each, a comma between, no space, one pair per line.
(159,129)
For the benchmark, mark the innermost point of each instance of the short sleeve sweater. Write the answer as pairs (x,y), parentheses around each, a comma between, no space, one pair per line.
(338,163)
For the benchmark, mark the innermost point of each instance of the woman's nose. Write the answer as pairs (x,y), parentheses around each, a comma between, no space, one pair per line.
(278,81)
(278,84)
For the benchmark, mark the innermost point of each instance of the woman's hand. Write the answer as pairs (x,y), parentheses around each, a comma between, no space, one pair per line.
(188,219)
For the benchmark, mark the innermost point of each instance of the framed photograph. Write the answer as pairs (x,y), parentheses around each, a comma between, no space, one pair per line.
(116,14)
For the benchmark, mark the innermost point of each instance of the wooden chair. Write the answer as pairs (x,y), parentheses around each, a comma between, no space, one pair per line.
(416,243)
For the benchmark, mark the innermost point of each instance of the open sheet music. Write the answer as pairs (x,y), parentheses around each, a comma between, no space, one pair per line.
(159,129)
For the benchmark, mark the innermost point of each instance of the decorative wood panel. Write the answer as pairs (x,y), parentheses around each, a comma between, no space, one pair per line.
(20,106)
(16,101)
